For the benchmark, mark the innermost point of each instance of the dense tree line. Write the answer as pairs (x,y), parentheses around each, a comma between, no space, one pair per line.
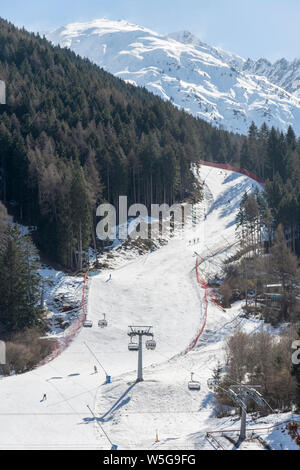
(275,157)
(72,135)
(268,226)
(263,258)
(21,313)
(19,282)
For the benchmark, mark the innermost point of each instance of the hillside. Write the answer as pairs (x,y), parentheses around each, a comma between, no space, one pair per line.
(283,73)
(203,80)
(175,305)
(72,135)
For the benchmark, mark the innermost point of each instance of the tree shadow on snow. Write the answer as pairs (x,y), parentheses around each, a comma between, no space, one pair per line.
(207,400)
(122,401)
(119,403)
(229,201)
(232,177)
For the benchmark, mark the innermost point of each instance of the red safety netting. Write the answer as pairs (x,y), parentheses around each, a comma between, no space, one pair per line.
(225,166)
(60,345)
(204,285)
(208,295)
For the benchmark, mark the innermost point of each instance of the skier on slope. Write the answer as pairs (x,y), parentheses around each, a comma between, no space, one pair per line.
(44,397)
(95,369)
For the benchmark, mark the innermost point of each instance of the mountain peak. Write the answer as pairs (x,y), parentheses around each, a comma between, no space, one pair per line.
(204,80)
(67,35)
(185,37)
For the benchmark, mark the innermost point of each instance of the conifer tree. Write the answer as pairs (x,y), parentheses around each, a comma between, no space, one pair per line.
(284,268)
(19,282)
(3,218)
(80,215)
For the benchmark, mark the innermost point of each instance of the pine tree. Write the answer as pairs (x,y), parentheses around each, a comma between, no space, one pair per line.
(253,163)
(80,215)
(245,155)
(217,373)
(3,218)
(284,268)
(291,138)
(19,282)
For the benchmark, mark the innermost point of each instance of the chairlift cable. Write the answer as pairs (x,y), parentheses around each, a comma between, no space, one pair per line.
(96,359)
(101,427)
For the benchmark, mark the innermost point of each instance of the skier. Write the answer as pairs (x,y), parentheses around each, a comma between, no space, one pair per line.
(95,369)
(44,397)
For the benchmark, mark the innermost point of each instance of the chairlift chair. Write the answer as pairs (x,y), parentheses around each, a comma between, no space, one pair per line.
(88,324)
(151,344)
(212,384)
(133,346)
(194,384)
(103,323)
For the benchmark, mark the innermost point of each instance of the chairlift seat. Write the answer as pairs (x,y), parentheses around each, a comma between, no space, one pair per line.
(88,324)
(151,344)
(194,385)
(102,323)
(133,347)
(212,384)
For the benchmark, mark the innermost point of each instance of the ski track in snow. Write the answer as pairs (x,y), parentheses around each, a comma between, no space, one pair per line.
(159,289)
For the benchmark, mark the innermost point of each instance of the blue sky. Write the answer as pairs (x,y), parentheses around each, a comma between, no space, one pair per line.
(251,28)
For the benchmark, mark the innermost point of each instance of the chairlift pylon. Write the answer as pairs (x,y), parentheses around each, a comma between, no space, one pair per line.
(194,384)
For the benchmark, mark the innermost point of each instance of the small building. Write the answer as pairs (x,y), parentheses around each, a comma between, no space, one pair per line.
(272,295)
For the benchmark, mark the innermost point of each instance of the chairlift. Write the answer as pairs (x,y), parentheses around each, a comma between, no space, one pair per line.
(194,384)
(88,324)
(212,384)
(103,323)
(133,346)
(151,344)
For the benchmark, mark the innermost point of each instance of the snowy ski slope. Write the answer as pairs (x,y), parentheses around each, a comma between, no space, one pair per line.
(158,289)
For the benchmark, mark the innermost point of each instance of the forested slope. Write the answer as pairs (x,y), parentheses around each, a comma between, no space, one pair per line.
(72,135)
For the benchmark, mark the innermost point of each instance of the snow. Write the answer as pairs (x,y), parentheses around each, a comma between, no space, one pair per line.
(60,289)
(282,73)
(158,289)
(220,87)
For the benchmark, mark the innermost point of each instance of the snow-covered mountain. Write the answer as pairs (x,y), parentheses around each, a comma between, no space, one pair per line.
(283,73)
(206,81)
